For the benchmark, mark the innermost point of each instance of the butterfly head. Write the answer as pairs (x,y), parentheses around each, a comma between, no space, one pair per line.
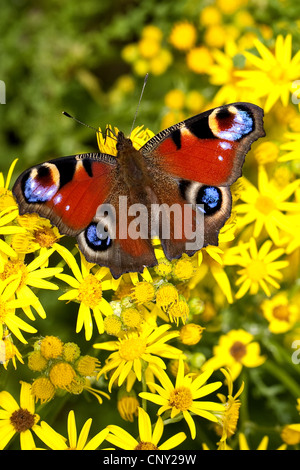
(123,142)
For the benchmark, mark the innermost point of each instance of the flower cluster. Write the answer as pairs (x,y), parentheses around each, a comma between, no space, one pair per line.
(208,341)
(62,368)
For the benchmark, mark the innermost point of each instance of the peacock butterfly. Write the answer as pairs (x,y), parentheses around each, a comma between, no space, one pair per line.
(189,165)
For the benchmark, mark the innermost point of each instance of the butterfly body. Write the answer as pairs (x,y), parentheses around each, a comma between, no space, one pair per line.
(132,170)
(190,165)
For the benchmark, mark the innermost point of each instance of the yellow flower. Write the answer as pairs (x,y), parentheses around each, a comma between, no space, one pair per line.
(8,351)
(62,374)
(183,36)
(31,276)
(149,436)
(8,215)
(266,152)
(273,74)
(292,145)
(199,59)
(266,206)
(216,36)
(183,397)
(42,389)
(191,334)
(127,405)
(281,313)
(210,15)
(87,366)
(40,235)
(229,418)
(174,99)
(230,6)
(166,296)
(6,196)
(212,258)
(235,350)
(290,434)
(56,441)
(183,269)
(194,101)
(159,64)
(8,305)
(152,32)
(107,140)
(36,361)
(70,352)
(260,267)
(51,347)
(135,349)
(112,325)
(87,288)
(143,292)
(20,419)
(179,311)
(163,267)
(148,47)
(263,445)
(131,318)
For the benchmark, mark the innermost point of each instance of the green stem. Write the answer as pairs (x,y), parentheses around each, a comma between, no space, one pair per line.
(284,378)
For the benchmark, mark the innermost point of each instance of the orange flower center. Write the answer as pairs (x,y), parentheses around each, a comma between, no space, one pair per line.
(181,398)
(265,204)
(281,312)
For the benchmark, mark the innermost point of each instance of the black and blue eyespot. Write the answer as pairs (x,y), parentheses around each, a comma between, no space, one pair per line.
(40,184)
(97,237)
(209,199)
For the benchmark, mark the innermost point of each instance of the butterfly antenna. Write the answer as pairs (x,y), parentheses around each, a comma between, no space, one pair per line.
(137,108)
(91,127)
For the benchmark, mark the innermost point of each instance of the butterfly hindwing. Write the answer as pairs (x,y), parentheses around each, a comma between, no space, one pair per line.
(107,241)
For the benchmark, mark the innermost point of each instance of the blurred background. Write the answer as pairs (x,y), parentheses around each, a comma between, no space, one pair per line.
(90,59)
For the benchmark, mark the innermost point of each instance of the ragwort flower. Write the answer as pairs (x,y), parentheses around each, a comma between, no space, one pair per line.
(149,436)
(183,36)
(8,215)
(235,350)
(281,313)
(87,288)
(20,419)
(182,398)
(30,276)
(259,267)
(273,74)
(8,305)
(267,206)
(292,145)
(56,441)
(6,197)
(134,350)
(228,420)
(8,351)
